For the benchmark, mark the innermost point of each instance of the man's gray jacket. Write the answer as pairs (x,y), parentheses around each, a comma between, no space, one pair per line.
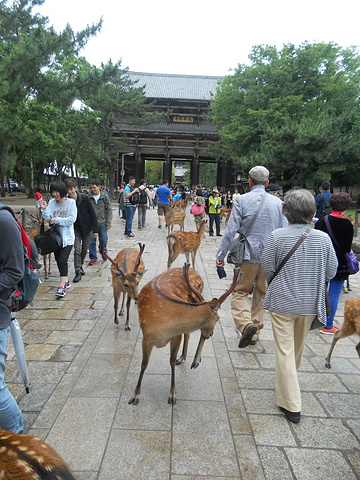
(244,208)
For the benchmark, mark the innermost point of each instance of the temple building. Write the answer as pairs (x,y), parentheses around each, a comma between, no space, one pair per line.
(181,137)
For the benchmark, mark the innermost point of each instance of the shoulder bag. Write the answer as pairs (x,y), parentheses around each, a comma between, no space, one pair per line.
(48,241)
(316,322)
(351,260)
(237,248)
(197,209)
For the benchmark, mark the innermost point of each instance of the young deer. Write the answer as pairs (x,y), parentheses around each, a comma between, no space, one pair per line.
(170,306)
(186,243)
(350,326)
(125,278)
(27,458)
(175,216)
(32,235)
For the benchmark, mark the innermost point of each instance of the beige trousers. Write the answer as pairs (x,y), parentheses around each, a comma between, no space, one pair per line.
(239,300)
(290,332)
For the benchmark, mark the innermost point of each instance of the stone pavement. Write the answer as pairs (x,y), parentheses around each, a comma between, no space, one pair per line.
(225,425)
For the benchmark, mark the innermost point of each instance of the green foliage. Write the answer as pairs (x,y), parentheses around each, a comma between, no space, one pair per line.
(294,110)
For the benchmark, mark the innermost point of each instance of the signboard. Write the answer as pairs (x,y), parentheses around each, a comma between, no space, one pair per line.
(183,119)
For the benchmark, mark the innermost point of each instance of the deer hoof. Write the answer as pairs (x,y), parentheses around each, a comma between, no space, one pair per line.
(133,400)
(116,321)
(172,400)
(195,365)
(121,314)
(127,328)
(327,365)
(180,360)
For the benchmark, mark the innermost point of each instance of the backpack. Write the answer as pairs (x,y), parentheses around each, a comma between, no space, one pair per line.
(143,198)
(27,287)
(326,209)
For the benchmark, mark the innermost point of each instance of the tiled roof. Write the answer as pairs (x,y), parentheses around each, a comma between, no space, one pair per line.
(182,87)
(194,129)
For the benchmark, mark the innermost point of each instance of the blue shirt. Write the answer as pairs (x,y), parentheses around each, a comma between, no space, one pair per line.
(163,193)
(244,208)
(127,190)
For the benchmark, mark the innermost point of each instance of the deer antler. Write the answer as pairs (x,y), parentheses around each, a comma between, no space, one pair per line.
(137,263)
(187,279)
(237,277)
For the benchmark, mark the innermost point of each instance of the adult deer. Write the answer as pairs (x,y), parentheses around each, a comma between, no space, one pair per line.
(186,243)
(125,278)
(25,458)
(169,306)
(350,326)
(32,235)
(175,216)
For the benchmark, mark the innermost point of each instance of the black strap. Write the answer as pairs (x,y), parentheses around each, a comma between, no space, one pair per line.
(284,260)
(331,233)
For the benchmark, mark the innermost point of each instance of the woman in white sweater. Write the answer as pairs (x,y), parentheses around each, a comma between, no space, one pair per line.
(61,211)
(297,294)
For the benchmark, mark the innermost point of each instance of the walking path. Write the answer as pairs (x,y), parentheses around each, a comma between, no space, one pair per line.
(225,425)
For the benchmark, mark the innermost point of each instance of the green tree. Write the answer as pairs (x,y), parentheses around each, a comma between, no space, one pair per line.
(296,110)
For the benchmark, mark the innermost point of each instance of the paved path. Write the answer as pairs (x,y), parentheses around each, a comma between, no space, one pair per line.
(225,424)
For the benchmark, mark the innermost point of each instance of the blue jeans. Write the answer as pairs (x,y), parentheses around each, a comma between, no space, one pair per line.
(335,289)
(10,413)
(103,238)
(129,212)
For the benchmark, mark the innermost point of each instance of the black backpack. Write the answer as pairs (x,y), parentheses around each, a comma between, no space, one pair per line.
(26,289)
(326,209)
(142,197)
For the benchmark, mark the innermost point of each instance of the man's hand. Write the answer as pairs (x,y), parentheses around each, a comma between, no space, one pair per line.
(108,228)
(95,235)
(219,263)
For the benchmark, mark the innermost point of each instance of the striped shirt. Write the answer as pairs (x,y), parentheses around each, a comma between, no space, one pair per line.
(298,289)
(244,209)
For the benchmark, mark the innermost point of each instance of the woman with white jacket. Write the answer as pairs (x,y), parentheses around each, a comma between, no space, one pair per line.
(61,211)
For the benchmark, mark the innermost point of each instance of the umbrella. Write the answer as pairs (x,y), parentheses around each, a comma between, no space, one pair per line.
(19,350)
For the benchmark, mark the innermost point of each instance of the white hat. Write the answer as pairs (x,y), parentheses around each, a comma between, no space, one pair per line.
(259,173)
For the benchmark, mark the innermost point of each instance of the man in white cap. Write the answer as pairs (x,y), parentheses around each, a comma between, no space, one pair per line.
(250,321)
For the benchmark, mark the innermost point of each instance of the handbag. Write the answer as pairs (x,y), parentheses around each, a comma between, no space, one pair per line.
(316,322)
(351,260)
(237,249)
(48,241)
(197,209)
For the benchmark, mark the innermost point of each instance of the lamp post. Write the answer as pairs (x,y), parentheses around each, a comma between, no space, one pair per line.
(122,165)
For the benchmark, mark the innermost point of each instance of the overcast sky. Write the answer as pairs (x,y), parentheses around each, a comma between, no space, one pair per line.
(201,37)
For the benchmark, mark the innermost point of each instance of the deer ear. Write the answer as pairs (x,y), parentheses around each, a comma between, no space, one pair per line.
(118,273)
(214,305)
(141,273)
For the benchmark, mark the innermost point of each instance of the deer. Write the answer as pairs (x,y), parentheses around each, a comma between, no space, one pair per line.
(170,306)
(186,243)
(26,458)
(175,216)
(125,279)
(225,212)
(350,326)
(32,235)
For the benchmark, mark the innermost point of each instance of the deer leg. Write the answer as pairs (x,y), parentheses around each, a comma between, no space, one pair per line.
(182,359)
(122,305)
(45,268)
(128,301)
(205,334)
(337,337)
(116,294)
(146,352)
(174,348)
(193,256)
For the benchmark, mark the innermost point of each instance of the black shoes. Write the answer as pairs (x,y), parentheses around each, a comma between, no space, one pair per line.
(294,417)
(218,235)
(246,337)
(82,271)
(77,277)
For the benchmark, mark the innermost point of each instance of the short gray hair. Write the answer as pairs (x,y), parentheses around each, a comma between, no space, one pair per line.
(299,206)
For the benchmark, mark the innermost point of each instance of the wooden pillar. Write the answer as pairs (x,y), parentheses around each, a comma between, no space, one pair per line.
(139,169)
(167,163)
(194,172)
(221,175)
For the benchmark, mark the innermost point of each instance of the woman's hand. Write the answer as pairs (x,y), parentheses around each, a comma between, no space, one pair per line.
(42,203)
